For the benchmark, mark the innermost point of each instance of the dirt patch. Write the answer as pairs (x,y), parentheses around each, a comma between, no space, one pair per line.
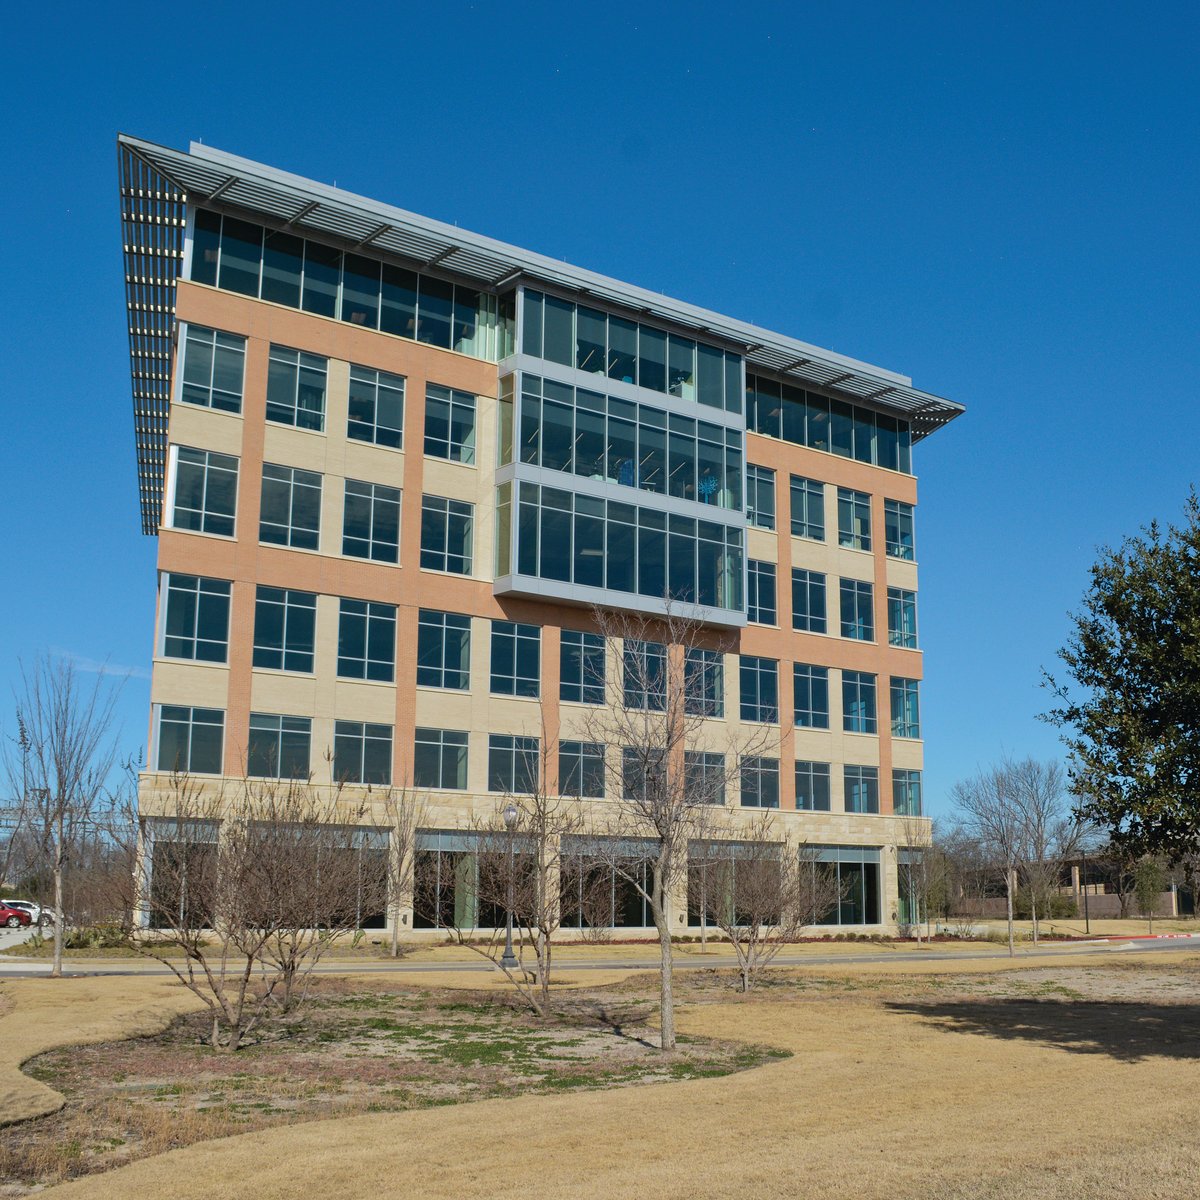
(352,1050)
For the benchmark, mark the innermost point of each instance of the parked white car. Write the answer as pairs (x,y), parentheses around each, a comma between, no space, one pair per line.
(37,914)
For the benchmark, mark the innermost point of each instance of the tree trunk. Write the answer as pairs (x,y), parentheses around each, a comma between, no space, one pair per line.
(56,969)
(396,935)
(666,993)
(1033,913)
(543,957)
(1008,889)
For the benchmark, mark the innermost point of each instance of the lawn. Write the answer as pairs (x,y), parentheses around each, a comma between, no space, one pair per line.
(352,1049)
(1025,1082)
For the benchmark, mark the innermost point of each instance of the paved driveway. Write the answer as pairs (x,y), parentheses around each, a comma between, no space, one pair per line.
(14,937)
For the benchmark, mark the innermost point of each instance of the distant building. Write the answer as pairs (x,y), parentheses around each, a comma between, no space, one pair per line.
(392,465)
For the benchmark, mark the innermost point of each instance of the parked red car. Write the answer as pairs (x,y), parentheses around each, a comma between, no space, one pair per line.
(13,917)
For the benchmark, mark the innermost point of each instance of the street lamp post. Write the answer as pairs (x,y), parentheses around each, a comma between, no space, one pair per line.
(508,960)
(1087,919)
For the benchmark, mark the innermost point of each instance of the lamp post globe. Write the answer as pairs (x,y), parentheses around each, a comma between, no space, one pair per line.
(508,960)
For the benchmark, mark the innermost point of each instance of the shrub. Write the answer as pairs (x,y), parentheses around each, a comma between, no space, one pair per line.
(1050,908)
(96,937)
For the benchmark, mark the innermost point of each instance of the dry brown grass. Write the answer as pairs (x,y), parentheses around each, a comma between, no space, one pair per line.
(45,1013)
(913,1085)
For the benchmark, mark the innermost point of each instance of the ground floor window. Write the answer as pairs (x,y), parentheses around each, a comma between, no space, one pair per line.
(185,883)
(910,869)
(597,884)
(859,883)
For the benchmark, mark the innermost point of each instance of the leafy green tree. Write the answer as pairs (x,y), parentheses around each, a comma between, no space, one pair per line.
(1149,882)
(1129,705)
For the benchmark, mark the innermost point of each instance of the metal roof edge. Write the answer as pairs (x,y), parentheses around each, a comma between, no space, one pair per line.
(537,265)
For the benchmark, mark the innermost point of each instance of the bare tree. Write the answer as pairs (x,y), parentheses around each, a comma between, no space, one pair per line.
(313,873)
(655,719)
(493,873)
(762,894)
(913,866)
(403,813)
(65,753)
(517,869)
(991,813)
(531,886)
(242,895)
(1050,832)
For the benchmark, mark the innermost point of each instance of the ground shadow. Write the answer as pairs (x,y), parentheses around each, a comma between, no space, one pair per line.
(1125,1031)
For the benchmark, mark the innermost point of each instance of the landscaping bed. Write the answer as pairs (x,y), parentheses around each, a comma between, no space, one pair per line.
(354,1048)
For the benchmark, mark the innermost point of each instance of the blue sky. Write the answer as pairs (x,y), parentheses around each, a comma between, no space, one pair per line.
(999,202)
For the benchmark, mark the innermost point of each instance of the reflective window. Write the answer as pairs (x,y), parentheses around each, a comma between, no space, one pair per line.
(290,509)
(241,256)
(285,624)
(196,620)
(808,601)
(704,777)
(645,675)
(855,872)
(581,432)
(440,759)
(446,535)
(600,343)
(858,610)
(371,521)
(279,747)
(898,530)
(858,702)
(642,772)
(703,682)
(513,764)
(759,781)
(581,769)
(854,519)
(214,367)
(205,491)
(906,793)
(355,288)
(812,786)
(581,667)
(376,407)
(759,689)
(808,509)
(905,708)
(811,690)
(760,592)
(516,659)
(449,424)
(296,388)
(807,418)
(366,640)
(600,543)
(862,789)
(360,290)
(362,753)
(443,650)
(190,740)
(902,618)
(760,496)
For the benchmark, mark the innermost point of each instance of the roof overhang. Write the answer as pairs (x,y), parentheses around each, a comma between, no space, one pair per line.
(157,183)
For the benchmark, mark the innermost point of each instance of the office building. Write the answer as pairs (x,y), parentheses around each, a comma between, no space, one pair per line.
(393,467)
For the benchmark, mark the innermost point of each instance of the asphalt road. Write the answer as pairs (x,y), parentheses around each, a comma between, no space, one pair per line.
(11,968)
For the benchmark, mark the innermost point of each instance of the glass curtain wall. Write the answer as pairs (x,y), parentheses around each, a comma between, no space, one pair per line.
(597,543)
(604,344)
(244,257)
(793,414)
(584,433)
